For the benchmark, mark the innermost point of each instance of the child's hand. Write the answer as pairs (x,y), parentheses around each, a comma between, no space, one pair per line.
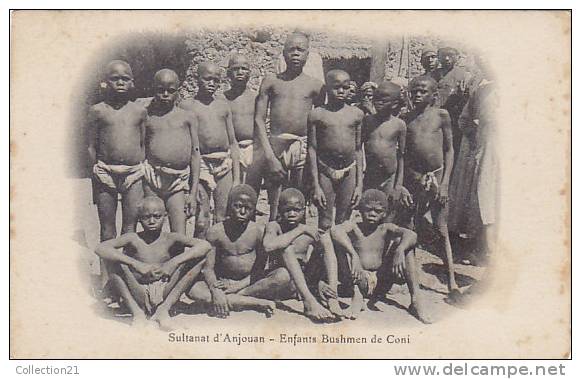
(319,198)
(443,195)
(167,269)
(229,285)
(220,303)
(356,269)
(326,292)
(356,197)
(405,198)
(190,205)
(275,169)
(398,267)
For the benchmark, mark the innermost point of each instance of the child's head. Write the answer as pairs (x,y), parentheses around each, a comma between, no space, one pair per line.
(209,78)
(238,70)
(242,203)
(447,57)
(387,98)
(352,93)
(291,207)
(165,84)
(423,91)
(296,51)
(429,59)
(367,91)
(337,83)
(118,78)
(373,206)
(151,213)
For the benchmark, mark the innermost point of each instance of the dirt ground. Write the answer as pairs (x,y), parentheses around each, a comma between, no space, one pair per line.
(392,310)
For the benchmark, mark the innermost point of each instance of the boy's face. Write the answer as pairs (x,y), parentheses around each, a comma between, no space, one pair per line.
(338,87)
(296,51)
(430,61)
(422,93)
(292,212)
(152,217)
(166,91)
(447,58)
(242,209)
(239,72)
(209,80)
(385,102)
(352,92)
(119,79)
(372,212)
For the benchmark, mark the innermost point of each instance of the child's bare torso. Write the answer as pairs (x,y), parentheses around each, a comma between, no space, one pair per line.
(425,151)
(382,143)
(337,134)
(118,133)
(242,108)
(370,247)
(212,127)
(290,103)
(234,259)
(168,139)
(157,251)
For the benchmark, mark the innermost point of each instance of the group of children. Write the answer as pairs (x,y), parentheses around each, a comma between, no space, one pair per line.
(162,156)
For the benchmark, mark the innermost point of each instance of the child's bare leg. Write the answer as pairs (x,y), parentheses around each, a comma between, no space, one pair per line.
(412,276)
(129,202)
(273,190)
(203,213)
(200,293)
(175,208)
(344,191)
(296,179)
(357,304)
(139,316)
(440,216)
(106,209)
(312,307)
(326,214)
(223,187)
(239,302)
(330,260)
(277,285)
(174,290)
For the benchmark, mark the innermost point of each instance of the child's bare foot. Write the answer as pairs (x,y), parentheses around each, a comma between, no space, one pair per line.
(164,320)
(316,311)
(356,306)
(267,307)
(335,308)
(418,310)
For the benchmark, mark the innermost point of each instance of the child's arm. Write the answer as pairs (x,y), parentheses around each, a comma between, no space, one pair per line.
(92,136)
(340,234)
(448,147)
(194,249)
(219,301)
(261,256)
(275,240)
(318,195)
(108,250)
(234,149)
(402,193)
(358,161)
(194,167)
(320,96)
(262,100)
(407,241)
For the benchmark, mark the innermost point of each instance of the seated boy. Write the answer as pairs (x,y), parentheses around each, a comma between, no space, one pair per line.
(373,255)
(428,164)
(384,137)
(153,274)
(236,260)
(306,257)
(335,155)
(242,101)
(172,151)
(219,166)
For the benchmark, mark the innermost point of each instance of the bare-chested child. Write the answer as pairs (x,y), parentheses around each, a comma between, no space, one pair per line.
(153,274)
(233,269)
(220,165)
(428,164)
(116,129)
(335,155)
(242,102)
(384,137)
(290,96)
(172,150)
(373,255)
(306,257)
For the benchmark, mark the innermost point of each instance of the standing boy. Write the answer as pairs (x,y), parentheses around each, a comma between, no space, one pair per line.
(428,164)
(290,97)
(373,255)
(172,151)
(152,275)
(335,155)
(219,166)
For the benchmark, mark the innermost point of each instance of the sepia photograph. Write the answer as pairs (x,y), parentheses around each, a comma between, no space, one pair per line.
(290,184)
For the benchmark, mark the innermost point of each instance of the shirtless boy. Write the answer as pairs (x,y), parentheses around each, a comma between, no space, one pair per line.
(290,96)
(219,166)
(429,60)
(152,275)
(237,260)
(384,136)
(306,257)
(172,151)
(242,102)
(335,155)
(373,255)
(428,164)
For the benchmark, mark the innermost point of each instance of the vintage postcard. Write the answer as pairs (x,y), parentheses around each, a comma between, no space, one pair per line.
(290,184)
